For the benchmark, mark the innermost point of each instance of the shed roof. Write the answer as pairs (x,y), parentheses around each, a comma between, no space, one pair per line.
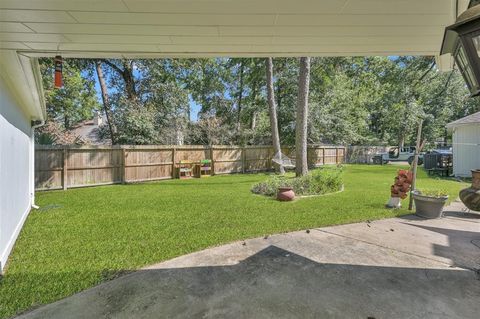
(470,119)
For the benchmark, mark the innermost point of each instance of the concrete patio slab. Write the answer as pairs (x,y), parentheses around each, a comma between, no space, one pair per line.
(395,268)
(447,240)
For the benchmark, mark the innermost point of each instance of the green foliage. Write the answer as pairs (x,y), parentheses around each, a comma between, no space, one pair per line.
(135,124)
(75,101)
(317,182)
(353,100)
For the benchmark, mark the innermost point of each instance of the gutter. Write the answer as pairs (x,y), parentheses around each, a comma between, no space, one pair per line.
(33,79)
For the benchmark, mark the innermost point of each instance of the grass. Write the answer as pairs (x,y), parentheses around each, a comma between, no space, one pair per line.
(85,236)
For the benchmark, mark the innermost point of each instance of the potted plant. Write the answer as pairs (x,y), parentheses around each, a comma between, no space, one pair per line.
(285,194)
(429,204)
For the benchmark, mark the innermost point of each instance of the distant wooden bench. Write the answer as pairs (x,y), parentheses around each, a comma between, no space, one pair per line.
(204,169)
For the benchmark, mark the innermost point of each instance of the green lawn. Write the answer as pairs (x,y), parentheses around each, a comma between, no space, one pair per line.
(82,237)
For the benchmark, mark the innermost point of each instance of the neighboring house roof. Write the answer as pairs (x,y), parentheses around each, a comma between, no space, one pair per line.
(470,119)
(88,131)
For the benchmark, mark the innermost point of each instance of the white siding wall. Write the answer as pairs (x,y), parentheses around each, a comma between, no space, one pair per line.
(16,170)
(466,149)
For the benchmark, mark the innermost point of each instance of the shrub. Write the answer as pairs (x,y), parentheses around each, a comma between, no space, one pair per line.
(320,181)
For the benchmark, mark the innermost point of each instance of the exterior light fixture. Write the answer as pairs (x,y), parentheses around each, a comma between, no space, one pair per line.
(58,72)
(462,40)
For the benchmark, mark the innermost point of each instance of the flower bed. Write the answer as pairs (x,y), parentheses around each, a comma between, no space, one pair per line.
(318,182)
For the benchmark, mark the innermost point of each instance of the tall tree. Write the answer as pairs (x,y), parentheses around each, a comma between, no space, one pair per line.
(273,111)
(301,127)
(105,100)
(240,95)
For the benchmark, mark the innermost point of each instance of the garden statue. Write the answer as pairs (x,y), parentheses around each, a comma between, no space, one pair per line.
(399,190)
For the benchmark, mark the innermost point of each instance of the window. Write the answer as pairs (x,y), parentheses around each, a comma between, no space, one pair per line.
(476,44)
(465,67)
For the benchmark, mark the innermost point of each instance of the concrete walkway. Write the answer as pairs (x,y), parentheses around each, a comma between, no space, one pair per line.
(395,268)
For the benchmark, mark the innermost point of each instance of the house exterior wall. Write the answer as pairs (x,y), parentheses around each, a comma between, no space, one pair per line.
(16,170)
(466,149)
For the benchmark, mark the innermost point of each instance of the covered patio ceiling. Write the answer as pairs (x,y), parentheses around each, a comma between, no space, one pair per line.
(149,28)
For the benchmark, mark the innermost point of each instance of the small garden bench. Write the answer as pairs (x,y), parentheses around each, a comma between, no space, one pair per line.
(185,169)
(204,169)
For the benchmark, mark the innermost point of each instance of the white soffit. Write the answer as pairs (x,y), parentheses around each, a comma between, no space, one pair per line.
(142,28)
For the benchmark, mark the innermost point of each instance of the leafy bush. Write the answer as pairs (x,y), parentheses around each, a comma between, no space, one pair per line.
(320,181)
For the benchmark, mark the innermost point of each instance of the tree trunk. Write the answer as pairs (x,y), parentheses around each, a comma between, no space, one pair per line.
(273,110)
(418,149)
(301,168)
(401,141)
(66,119)
(240,97)
(129,81)
(127,75)
(253,123)
(106,102)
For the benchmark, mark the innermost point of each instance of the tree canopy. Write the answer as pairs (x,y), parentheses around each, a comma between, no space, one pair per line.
(352,100)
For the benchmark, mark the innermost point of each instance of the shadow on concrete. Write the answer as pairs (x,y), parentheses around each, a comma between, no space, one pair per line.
(276,283)
(465,215)
(461,249)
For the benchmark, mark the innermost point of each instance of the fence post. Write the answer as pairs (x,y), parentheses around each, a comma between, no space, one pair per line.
(243,160)
(212,159)
(336,155)
(65,169)
(173,161)
(124,165)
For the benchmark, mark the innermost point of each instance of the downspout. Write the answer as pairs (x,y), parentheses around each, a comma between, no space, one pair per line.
(35,124)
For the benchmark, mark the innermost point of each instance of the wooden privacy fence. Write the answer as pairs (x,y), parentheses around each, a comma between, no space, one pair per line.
(62,167)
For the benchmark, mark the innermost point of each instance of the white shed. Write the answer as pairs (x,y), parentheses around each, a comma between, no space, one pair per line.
(466,144)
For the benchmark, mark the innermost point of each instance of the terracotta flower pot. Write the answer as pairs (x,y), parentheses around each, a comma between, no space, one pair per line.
(471,196)
(285,194)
